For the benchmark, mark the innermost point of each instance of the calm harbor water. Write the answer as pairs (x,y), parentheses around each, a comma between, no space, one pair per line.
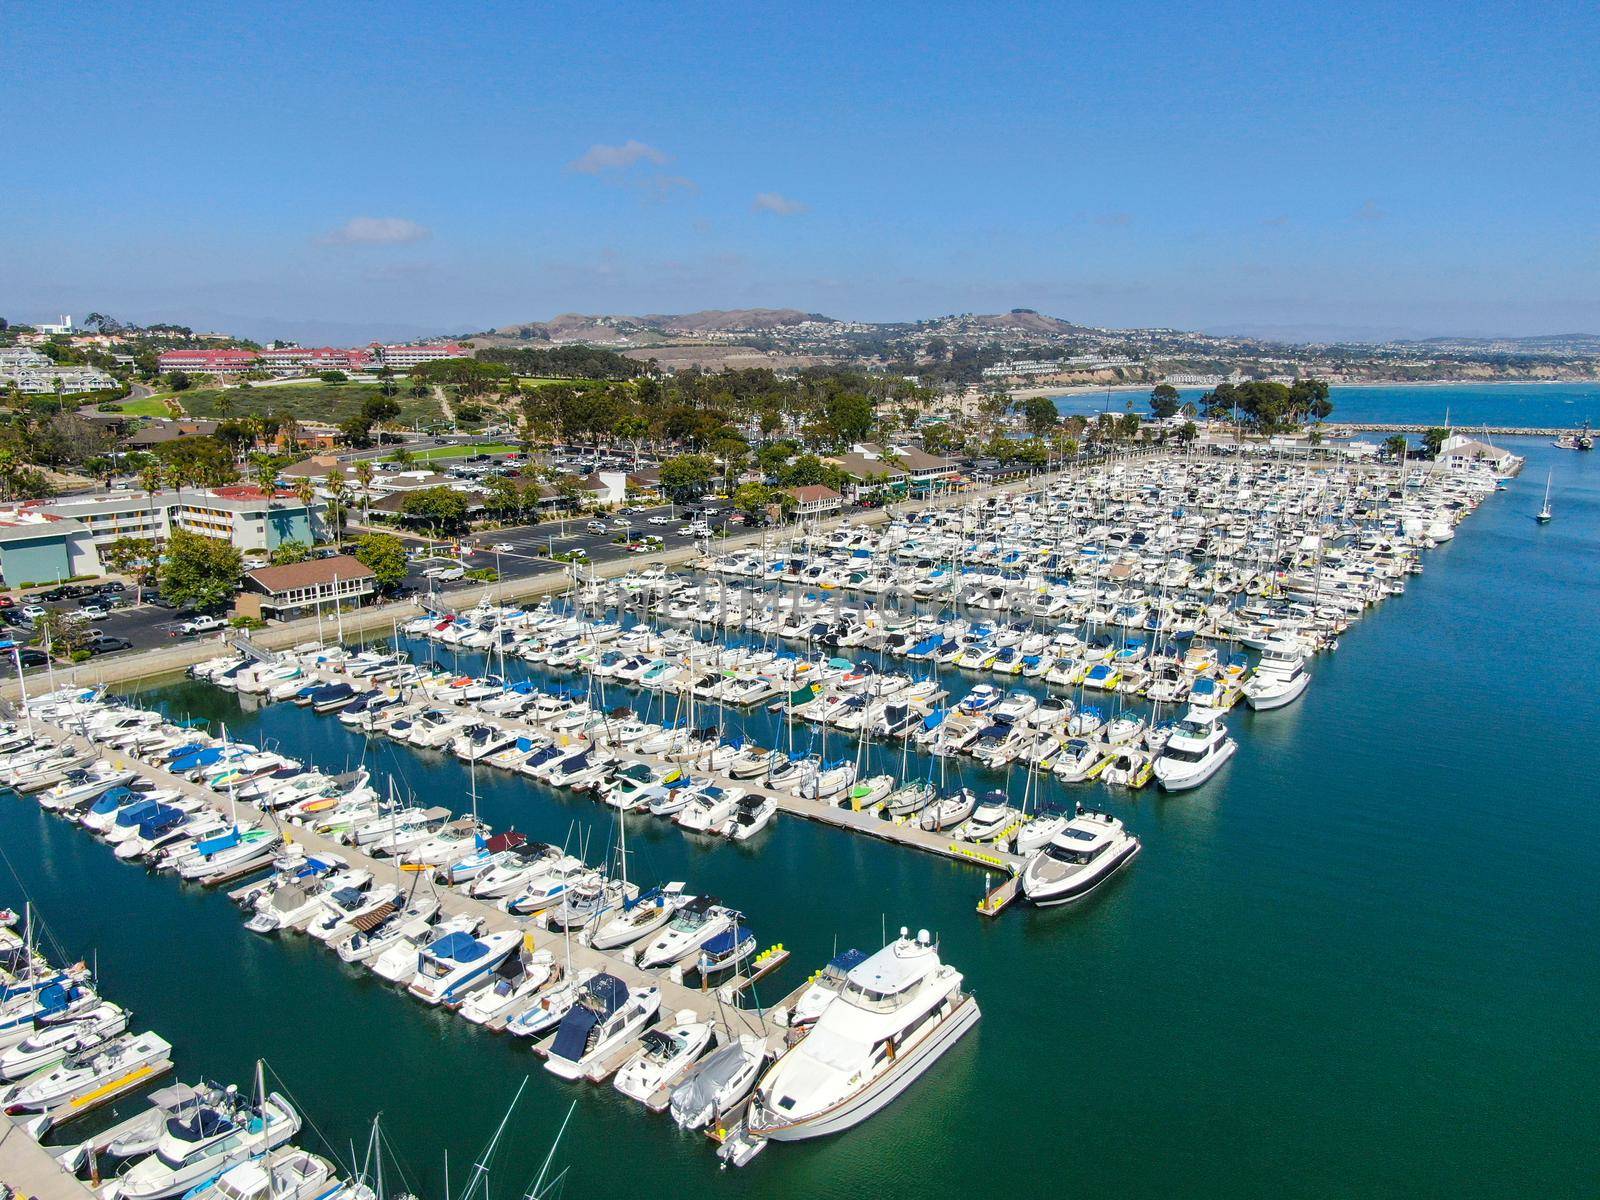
(1361,961)
(1529,405)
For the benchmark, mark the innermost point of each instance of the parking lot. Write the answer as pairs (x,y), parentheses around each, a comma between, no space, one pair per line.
(145,626)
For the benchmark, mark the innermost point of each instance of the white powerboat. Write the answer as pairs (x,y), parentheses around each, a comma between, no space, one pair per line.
(1196,750)
(1086,853)
(722,1079)
(663,1057)
(898,1012)
(452,967)
(1280,678)
(605,1017)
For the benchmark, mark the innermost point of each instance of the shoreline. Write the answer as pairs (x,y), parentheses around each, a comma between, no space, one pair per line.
(1089,389)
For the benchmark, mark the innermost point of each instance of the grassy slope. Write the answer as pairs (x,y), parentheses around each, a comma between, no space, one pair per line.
(333,402)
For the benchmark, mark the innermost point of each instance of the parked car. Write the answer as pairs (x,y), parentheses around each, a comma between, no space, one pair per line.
(202,624)
(6,602)
(30,656)
(661,519)
(504,548)
(158,600)
(90,610)
(115,586)
(32,612)
(105,644)
(596,527)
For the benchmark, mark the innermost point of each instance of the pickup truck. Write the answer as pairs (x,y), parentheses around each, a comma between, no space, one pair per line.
(202,624)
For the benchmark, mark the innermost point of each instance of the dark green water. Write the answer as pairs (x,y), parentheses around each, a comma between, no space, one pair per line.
(1361,962)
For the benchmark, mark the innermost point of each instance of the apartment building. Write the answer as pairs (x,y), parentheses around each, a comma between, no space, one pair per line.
(45,541)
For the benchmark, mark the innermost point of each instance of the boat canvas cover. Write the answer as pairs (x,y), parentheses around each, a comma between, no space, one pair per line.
(727,941)
(290,897)
(504,841)
(701,1091)
(847,961)
(458,947)
(606,994)
(163,818)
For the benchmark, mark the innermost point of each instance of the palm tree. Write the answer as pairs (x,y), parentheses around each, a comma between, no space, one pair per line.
(364,478)
(10,472)
(338,493)
(306,491)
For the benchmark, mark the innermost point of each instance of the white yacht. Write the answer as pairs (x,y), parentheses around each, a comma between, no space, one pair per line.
(101,1065)
(898,1012)
(1280,677)
(449,969)
(664,1056)
(1196,750)
(1086,853)
(605,1017)
(722,1079)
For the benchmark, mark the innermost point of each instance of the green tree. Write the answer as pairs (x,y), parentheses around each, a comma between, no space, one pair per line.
(1187,432)
(1433,440)
(687,476)
(179,381)
(1040,414)
(333,377)
(753,500)
(1395,444)
(129,556)
(1129,425)
(385,555)
(63,633)
(503,495)
(441,509)
(292,551)
(199,571)
(1164,401)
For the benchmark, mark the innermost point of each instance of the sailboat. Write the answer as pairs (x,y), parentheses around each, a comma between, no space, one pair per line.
(1546,512)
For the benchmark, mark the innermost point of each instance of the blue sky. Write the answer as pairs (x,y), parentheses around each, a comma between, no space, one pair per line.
(363,170)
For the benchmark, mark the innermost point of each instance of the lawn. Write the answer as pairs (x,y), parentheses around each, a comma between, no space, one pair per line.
(464,451)
(309,401)
(145,406)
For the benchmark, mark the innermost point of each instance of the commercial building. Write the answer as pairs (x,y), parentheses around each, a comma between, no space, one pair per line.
(45,541)
(403,358)
(906,469)
(1463,453)
(816,501)
(208,362)
(300,589)
(296,360)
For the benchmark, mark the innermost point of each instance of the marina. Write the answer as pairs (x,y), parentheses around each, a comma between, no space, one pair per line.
(504,798)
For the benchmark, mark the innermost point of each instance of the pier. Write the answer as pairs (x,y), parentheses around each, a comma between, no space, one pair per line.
(30,1170)
(709,1003)
(900,831)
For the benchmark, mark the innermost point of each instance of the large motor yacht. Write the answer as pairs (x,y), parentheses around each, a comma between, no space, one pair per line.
(897,1013)
(1196,750)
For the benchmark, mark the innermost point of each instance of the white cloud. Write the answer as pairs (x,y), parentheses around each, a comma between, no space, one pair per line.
(776,202)
(600,157)
(377,231)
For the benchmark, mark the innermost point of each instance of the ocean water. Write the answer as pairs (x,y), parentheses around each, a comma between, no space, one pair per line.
(1361,961)
(1525,405)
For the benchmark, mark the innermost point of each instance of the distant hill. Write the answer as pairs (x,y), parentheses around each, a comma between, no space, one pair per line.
(605,328)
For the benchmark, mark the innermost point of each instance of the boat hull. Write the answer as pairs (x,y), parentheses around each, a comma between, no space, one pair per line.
(882,1091)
